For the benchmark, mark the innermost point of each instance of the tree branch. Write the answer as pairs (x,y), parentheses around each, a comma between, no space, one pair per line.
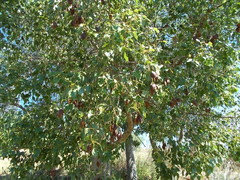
(180,135)
(129,130)
(214,8)
(19,106)
(153,144)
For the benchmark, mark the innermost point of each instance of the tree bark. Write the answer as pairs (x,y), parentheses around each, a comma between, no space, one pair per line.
(128,131)
(131,164)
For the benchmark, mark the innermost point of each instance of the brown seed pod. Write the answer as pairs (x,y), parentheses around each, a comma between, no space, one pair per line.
(164,145)
(72,11)
(212,41)
(89,148)
(207,110)
(60,113)
(98,164)
(53,173)
(112,138)
(214,38)
(74,24)
(82,124)
(195,103)
(154,76)
(173,103)
(238,29)
(80,105)
(138,119)
(165,26)
(80,20)
(110,16)
(197,35)
(115,132)
(153,88)
(126,102)
(54,25)
(113,128)
(84,35)
(70,1)
(103,2)
(147,104)
(77,21)
(178,100)
(186,92)
(75,102)
(166,81)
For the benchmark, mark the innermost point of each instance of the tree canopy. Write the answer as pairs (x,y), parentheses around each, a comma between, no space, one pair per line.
(78,77)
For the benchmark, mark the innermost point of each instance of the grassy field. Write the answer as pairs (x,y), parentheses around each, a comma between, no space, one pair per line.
(146,169)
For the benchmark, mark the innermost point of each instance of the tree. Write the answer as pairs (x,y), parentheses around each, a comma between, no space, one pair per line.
(130,159)
(85,74)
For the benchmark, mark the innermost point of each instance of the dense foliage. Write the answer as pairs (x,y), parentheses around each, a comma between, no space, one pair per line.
(76,76)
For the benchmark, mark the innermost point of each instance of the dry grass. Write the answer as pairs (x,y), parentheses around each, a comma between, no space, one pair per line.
(144,162)
(4,164)
(229,171)
(146,169)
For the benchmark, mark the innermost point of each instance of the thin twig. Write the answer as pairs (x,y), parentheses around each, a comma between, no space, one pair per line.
(141,141)
(213,9)
(19,106)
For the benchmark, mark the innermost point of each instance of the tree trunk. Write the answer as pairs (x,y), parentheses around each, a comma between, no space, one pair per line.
(131,165)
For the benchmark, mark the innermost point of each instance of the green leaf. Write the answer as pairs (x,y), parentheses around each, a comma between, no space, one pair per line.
(135,35)
(125,56)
